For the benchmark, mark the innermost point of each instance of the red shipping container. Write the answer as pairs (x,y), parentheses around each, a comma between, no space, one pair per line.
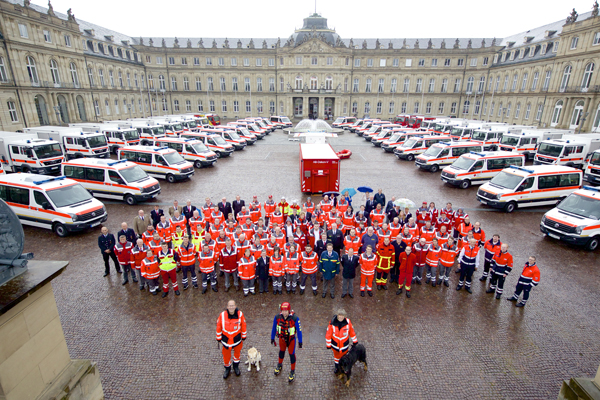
(319,168)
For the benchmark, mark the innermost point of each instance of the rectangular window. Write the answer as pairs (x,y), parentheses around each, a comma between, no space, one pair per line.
(460,62)
(248,106)
(408,62)
(428,108)
(441,108)
(391,110)
(381,85)
(495,58)
(544,47)
(116,106)
(368,86)
(357,62)
(473,62)
(259,107)
(224,106)
(419,85)
(394,85)
(457,85)
(67,40)
(259,62)
(538,115)
(535,80)
(280,60)
(23,31)
(505,87)
(210,84)
(396,62)
(406,86)
(329,60)
(272,107)
(171,60)
(369,62)
(272,64)
(355,86)
(512,55)
(547,80)
(120,79)
(107,107)
(234,84)
(196,60)
(271,84)
(183,61)
(527,111)
(521,53)
(453,108)
(158,60)
(236,106)
(247,84)
(211,104)
(378,108)
(596,38)
(574,42)
(173,83)
(524,83)
(186,83)
(176,105)
(431,85)
(485,61)
(198,85)
(444,85)
(314,61)
(403,108)
(47,37)
(259,84)
(208,61)
(221,61)
(416,109)
(354,107)
(421,62)
(97,107)
(298,60)
(434,62)
(222,84)
(200,106)
(12,111)
(447,62)
(518,110)
(382,62)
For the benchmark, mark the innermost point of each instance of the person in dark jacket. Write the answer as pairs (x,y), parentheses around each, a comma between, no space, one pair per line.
(237,206)
(262,272)
(349,264)
(370,238)
(107,242)
(128,232)
(156,214)
(399,247)
(369,206)
(225,208)
(336,237)
(329,265)
(188,210)
(379,198)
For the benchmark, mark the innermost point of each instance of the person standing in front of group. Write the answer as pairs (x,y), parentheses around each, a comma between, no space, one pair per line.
(329,265)
(286,327)
(231,332)
(339,334)
(469,263)
(529,278)
(106,242)
(349,263)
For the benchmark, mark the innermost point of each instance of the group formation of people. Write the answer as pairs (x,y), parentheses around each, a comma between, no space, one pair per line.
(289,244)
(286,331)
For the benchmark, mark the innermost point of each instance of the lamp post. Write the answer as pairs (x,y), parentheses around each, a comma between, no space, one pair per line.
(57,111)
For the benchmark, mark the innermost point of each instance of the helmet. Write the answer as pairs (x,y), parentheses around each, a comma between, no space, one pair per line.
(285,306)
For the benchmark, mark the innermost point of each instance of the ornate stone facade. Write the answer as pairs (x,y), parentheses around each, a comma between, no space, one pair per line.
(543,77)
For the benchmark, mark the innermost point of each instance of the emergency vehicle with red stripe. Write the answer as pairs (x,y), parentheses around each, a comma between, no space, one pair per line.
(117,134)
(251,126)
(148,130)
(159,162)
(366,126)
(526,141)
(377,129)
(489,135)
(74,141)
(398,137)
(477,168)
(118,180)
(591,172)
(282,120)
(576,219)
(343,122)
(214,142)
(464,129)
(570,150)
(173,126)
(56,203)
(192,150)
(445,153)
(260,123)
(532,186)
(228,135)
(25,152)
(418,145)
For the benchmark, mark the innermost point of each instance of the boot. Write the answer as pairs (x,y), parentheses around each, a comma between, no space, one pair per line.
(204,289)
(458,287)
(195,285)
(362,293)
(433,284)
(521,304)
(292,376)
(277,369)
(324,294)
(370,293)
(512,299)
(301,291)
(399,292)
(483,279)
(428,281)
(418,282)
(177,293)
(314,293)
(384,287)
(446,283)
(165,294)
(498,296)
(215,288)
(226,372)
(337,369)
(227,289)
(408,294)
(236,368)
(275,291)
(378,287)
(185,287)
(490,290)
(469,290)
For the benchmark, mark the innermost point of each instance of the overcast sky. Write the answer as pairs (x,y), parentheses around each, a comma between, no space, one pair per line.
(350,18)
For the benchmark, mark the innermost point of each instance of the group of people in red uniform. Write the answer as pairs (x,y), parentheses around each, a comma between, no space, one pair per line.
(289,244)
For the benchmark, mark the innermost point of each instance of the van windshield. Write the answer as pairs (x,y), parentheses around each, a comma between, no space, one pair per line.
(433,151)
(549,149)
(48,150)
(199,148)
(159,130)
(463,163)
(262,124)
(219,140)
(173,158)
(479,135)
(286,120)
(131,135)
(234,135)
(245,131)
(204,121)
(595,160)
(133,174)
(439,127)
(373,129)
(410,143)
(97,141)
(68,195)
(454,131)
(506,180)
(394,138)
(580,205)
(509,140)
(192,124)
(255,128)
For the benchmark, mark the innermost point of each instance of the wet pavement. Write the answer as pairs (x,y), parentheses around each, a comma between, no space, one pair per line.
(438,344)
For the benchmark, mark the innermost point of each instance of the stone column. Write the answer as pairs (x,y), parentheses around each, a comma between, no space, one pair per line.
(305,107)
(587,126)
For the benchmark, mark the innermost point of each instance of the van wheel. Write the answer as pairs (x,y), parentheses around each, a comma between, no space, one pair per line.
(510,207)
(78,155)
(130,200)
(527,156)
(593,243)
(60,229)
(219,154)
(465,184)
(198,164)
(410,157)
(171,178)
(434,168)
(25,170)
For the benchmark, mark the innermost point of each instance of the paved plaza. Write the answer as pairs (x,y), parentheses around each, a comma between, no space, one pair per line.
(438,344)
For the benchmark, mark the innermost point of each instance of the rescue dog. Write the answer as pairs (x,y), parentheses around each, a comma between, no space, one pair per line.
(253,358)
(356,353)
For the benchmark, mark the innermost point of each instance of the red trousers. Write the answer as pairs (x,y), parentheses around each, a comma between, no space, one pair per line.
(166,275)
(368,280)
(405,278)
(237,352)
(291,348)
(338,354)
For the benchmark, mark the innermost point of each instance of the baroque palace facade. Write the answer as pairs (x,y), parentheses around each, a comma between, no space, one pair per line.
(55,69)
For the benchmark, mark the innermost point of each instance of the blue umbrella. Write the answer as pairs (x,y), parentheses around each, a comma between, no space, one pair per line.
(351,191)
(364,189)
(331,194)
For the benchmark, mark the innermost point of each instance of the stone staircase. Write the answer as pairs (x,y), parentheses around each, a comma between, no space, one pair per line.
(580,388)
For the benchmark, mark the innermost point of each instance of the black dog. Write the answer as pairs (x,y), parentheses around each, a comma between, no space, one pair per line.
(356,353)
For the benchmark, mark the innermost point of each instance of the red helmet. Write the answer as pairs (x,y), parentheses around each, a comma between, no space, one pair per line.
(285,306)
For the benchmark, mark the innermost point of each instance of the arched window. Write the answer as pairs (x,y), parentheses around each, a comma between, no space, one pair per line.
(470,82)
(500,109)
(63,109)
(556,113)
(81,108)
(299,82)
(587,76)
(564,82)
(576,117)
(42,110)
(345,110)
(74,76)
(329,83)
(481,87)
(32,71)
(54,72)
(314,83)
(518,110)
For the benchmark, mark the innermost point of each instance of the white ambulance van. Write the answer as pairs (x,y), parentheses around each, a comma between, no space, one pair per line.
(576,219)
(117,134)
(537,185)
(416,145)
(159,162)
(477,168)
(75,142)
(592,169)
(25,152)
(445,153)
(56,203)
(193,150)
(526,141)
(570,150)
(119,180)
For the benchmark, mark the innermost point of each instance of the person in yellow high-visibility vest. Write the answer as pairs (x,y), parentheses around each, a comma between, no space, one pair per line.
(284,206)
(168,264)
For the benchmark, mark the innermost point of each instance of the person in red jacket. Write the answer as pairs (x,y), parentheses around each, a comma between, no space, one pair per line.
(406,262)
(491,247)
(367,261)
(228,263)
(434,252)
(339,334)
(503,264)
(386,255)
(231,332)
(276,270)
(206,260)
(138,253)
(420,251)
(310,260)
(447,259)
(151,272)
(247,271)
(529,278)
(123,252)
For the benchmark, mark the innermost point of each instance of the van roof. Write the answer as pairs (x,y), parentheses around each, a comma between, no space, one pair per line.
(457,144)
(541,170)
(100,162)
(171,139)
(36,180)
(491,154)
(148,149)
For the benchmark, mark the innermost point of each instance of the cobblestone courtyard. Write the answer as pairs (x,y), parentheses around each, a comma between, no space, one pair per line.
(438,344)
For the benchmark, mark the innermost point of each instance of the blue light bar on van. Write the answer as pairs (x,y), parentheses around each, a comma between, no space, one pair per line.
(477,154)
(115,162)
(595,189)
(445,143)
(58,178)
(160,148)
(522,169)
